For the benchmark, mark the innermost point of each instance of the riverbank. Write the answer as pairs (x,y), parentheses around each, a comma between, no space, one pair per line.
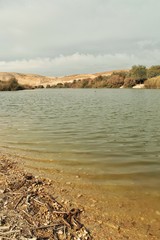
(24,197)
(137,77)
(30,209)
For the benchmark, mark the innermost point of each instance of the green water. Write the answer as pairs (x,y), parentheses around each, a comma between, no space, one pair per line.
(111,137)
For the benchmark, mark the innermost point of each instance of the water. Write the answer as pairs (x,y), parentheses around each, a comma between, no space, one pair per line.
(110,137)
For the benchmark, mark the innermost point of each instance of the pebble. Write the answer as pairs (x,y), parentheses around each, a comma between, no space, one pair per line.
(158,213)
(60,232)
(100,222)
(79,195)
(68,183)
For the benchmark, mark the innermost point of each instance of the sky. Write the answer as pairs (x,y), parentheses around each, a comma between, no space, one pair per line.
(63,37)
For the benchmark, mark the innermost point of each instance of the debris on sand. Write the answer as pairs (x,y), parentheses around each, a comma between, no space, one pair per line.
(28,210)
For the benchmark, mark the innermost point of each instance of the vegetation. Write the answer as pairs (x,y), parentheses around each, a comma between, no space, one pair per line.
(12,85)
(40,86)
(138,74)
(153,71)
(116,80)
(129,82)
(152,82)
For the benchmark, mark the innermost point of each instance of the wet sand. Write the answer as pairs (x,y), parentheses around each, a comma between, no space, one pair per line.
(114,213)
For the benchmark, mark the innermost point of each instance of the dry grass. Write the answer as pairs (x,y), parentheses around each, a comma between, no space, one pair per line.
(152,83)
(36,80)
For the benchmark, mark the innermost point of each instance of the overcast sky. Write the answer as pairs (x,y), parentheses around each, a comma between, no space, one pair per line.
(61,37)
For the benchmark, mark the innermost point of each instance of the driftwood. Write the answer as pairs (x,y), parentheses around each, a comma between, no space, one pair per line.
(29,211)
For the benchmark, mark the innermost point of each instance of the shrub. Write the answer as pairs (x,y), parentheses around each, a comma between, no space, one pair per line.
(11,85)
(129,82)
(122,74)
(67,85)
(138,73)
(152,83)
(115,81)
(153,71)
(40,86)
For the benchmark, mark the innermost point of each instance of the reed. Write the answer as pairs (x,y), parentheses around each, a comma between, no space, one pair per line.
(152,83)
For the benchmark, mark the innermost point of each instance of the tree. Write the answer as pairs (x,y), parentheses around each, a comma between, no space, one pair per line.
(138,73)
(153,71)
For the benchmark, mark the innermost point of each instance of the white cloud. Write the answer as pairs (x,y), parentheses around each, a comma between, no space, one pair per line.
(120,31)
(80,63)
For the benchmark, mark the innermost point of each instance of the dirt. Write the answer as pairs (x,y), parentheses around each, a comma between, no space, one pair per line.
(29,209)
(34,207)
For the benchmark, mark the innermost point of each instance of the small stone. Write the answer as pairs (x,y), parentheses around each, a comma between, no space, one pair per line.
(29,176)
(60,232)
(1,191)
(49,181)
(158,213)
(100,222)
(68,183)
(79,195)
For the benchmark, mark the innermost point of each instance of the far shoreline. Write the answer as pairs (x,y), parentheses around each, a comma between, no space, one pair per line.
(138,76)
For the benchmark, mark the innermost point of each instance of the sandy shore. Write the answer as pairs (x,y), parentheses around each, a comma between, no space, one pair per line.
(106,218)
(30,209)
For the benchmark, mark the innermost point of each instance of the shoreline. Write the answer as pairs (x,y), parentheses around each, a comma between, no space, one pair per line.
(114,217)
(32,202)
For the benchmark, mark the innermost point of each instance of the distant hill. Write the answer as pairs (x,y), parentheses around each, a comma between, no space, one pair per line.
(36,80)
(27,79)
(138,76)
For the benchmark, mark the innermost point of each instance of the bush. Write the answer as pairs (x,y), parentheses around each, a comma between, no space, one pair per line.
(115,81)
(40,86)
(152,83)
(122,74)
(11,85)
(153,71)
(138,73)
(129,82)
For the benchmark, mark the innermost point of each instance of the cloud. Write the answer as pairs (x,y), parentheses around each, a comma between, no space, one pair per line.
(36,30)
(78,63)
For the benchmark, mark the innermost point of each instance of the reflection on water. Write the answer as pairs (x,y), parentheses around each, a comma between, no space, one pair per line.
(111,136)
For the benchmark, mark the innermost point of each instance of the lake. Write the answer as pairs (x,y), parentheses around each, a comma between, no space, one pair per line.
(110,137)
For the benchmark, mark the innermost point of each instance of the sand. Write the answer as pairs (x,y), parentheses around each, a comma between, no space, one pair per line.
(36,80)
(107,216)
